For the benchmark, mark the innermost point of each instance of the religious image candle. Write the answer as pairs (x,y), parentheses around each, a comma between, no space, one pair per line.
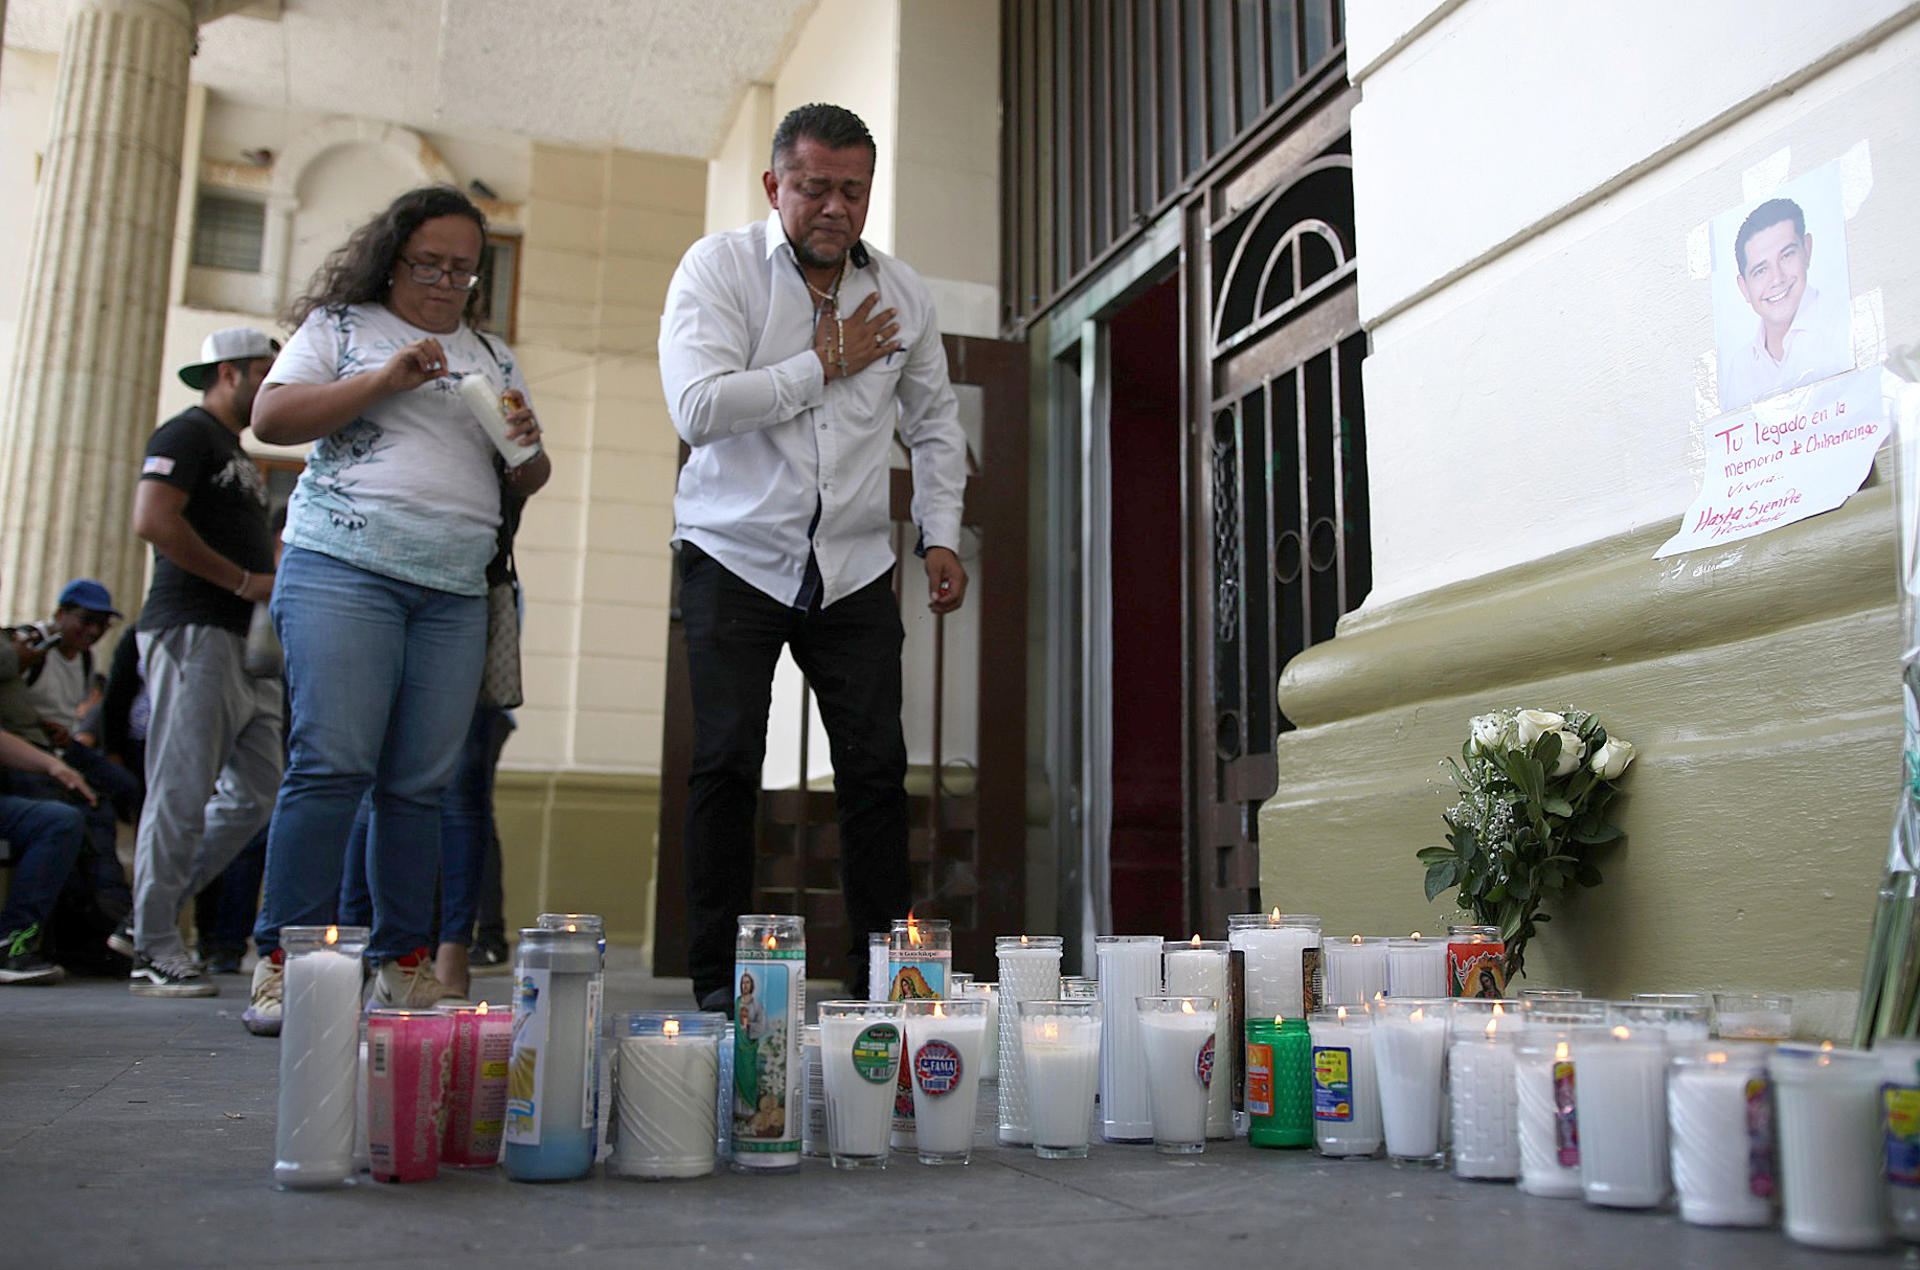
(1720,1131)
(919,958)
(1548,1120)
(319,1044)
(945,1040)
(552,1130)
(1060,1048)
(477,1086)
(769,1007)
(1177,1039)
(1029,969)
(1410,1059)
(665,1072)
(1752,1016)
(1620,1090)
(1900,1096)
(1831,1117)
(407,1065)
(1476,962)
(1355,971)
(860,1055)
(1198,968)
(1416,967)
(1282,954)
(1129,970)
(1480,1080)
(1346,1091)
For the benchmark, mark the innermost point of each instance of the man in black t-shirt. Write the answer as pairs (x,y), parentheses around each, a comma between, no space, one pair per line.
(214,742)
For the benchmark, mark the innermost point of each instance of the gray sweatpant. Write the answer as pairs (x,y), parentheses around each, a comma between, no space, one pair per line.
(213,767)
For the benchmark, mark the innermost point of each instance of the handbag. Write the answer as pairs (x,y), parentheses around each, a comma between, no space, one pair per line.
(500,674)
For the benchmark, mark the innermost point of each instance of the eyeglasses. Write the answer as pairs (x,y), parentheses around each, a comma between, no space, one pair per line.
(428,274)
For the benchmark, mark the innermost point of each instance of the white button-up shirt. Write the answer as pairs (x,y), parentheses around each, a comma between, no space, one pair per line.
(1819,343)
(772,440)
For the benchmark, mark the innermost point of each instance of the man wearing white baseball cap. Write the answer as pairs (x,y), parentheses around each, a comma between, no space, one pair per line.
(214,742)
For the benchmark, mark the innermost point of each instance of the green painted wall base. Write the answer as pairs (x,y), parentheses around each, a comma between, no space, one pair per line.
(580,842)
(1761,685)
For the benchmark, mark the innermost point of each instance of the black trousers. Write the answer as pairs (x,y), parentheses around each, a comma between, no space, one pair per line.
(850,654)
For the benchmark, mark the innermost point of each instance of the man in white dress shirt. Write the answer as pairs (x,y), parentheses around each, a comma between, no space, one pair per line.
(1803,335)
(791,353)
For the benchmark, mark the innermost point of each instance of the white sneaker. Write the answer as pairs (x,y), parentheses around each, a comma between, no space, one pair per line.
(262,1016)
(408,982)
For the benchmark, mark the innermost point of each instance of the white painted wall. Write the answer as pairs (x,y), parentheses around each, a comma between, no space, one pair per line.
(1542,340)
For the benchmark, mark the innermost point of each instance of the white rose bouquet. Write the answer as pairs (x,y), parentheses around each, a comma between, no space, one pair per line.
(1534,790)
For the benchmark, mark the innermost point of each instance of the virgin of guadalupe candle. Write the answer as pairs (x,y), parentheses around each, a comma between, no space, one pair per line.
(1486,1135)
(1177,1038)
(769,1007)
(1129,970)
(1410,1058)
(860,1049)
(920,957)
(319,1048)
(1720,1130)
(552,1130)
(665,1071)
(1346,1092)
(476,1086)
(1416,967)
(1029,969)
(407,1065)
(1831,1115)
(944,1043)
(1282,953)
(1476,962)
(1752,1016)
(1356,970)
(1620,1091)
(1900,1096)
(1060,1048)
(1198,968)
(1543,1080)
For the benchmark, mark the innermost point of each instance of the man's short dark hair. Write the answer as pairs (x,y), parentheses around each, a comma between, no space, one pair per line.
(1766,216)
(834,127)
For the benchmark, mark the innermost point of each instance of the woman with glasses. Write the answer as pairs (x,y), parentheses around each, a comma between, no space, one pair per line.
(380,600)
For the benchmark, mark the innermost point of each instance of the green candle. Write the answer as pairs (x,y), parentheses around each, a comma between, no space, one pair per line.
(1279,1083)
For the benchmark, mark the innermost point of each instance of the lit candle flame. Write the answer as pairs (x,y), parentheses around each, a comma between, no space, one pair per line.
(1196,941)
(769,941)
(333,935)
(481,1008)
(1498,1008)
(1717,1057)
(1276,1020)
(1049,1031)
(1023,941)
(1622,1032)
(1826,1047)
(1186,1007)
(938,1013)
(671,1027)
(1416,1016)
(913,929)
(573,928)
(1560,1052)
(1356,940)
(1341,1012)
(1273,918)
(1416,934)
(1493,1024)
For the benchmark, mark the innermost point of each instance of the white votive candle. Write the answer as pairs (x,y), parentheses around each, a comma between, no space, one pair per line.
(1282,952)
(1620,1087)
(1417,967)
(944,1042)
(860,1046)
(879,982)
(990,1051)
(1129,970)
(1410,1058)
(1900,1070)
(1177,1037)
(319,1055)
(1060,1049)
(1831,1145)
(1346,1090)
(666,1072)
(1543,1080)
(1029,969)
(1720,1127)
(1356,969)
(1199,968)
(1752,1016)
(1480,1063)
(490,412)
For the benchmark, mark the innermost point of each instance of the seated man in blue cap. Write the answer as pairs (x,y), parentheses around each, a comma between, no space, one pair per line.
(59,683)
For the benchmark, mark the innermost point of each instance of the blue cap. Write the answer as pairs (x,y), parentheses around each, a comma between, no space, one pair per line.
(85,593)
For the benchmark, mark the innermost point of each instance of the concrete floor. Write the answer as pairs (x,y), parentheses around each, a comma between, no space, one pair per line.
(139,1133)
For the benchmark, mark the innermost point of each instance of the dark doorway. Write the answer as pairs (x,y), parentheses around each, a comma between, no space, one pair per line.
(1145,853)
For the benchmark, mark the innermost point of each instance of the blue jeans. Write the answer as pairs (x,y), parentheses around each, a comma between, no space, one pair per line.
(466,830)
(45,837)
(382,677)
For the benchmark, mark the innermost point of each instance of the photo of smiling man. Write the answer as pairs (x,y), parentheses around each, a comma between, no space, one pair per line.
(1765,267)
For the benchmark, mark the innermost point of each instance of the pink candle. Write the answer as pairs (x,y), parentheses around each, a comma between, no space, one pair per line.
(477,1086)
(406,1091)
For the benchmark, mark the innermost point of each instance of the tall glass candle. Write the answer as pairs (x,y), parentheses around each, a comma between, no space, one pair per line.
(1480,1063)
(1548,994)
(1416,967)
(1720,1131)
(1280,1080)
(860,1049)
(1177,1039)
(1356,970)
(1060,1049)
(666,1070)
(990,1056)
(1548,1118)
(1620,1088)
(407,1064)
(1410,1058)
(1346,1091)
(477,1086)
(879,984)
(1680,1016)
(1198,968)
(1079,988)
(919,958)
(552,1126)
(1476,962)
(769,1007)
(319,1046)
(1832,1148)
(1752,1016)
(595,925)
(1029,969)
(1129,970)
(1900,1097)
(813,1131)
(945,1040)
(1282,953)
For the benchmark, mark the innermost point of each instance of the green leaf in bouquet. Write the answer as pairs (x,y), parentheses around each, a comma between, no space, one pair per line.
(1557,806)
(1441,875)
(1428,855)
(1595,835)
(1587,875)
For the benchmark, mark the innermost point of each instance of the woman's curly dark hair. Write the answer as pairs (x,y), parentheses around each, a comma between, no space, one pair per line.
(362,271)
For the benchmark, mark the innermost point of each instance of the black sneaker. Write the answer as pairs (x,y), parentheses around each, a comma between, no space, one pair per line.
(121,941)
(20,959)
(489,956)
(169,977)
(223,961)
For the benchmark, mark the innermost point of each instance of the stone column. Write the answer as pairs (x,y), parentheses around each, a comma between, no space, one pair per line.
(92,328)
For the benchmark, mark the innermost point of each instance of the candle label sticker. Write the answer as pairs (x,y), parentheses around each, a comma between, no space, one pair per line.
(1237,995)
(1203,1064)
(768,1003)
(936,1068)
(1760,1138)
(590,1059)
(1312,985)
(1903,1134)
(1566,1128)
(1259,1079)
(1332,1082)
(530,1017)
(1477,970)
(875,1051)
